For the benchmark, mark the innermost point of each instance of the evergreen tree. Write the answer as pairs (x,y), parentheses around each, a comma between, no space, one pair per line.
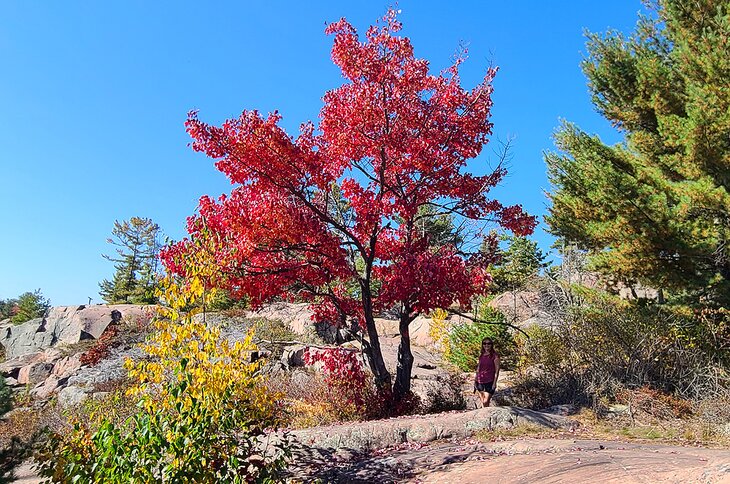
(438,226)
(135,263)
(654,208)
(519,262)
(30,305)
(7,308)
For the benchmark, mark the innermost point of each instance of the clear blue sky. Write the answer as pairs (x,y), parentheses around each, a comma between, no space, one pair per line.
(94,96)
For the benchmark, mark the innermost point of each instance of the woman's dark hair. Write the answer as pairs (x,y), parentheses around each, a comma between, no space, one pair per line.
(487,342)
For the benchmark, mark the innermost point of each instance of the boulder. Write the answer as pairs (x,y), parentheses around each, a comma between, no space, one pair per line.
(26,338)
(293,356)
(72,396)
(34,373)
(420,331)
(366,436)
(48,387)
(517,306)
(109,369)
(67,366)
(386,327)
(11,368)
(51,355)
(297,316)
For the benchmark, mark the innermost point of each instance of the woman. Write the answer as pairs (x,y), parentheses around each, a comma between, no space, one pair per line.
(485,381)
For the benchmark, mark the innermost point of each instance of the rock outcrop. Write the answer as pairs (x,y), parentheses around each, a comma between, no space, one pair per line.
(366,436)
(42,357)
(518,307)
(66,325)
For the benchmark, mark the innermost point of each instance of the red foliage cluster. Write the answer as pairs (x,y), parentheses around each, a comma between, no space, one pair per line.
(394,138)
(349,383)
(344,375)
(101,349)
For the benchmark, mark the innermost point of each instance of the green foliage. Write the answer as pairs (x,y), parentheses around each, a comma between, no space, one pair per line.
(655,207)
(603,344)
(465,339)
(438,226)
(6,397)
(135,263)
(195,444)
(30,305)
(520,261)
(223,301)
(7,308)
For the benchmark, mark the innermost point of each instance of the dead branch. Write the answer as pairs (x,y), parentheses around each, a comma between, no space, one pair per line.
(481,321)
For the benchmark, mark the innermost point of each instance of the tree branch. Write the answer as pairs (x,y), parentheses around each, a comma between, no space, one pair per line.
(481,321)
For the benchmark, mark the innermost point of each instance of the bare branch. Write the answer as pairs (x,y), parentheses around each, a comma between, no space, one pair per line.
(481,321)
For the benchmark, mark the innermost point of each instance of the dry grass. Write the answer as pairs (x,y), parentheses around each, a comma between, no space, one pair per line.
(517,432)
(663,420)
(641,426)
(24,425)
(308,401)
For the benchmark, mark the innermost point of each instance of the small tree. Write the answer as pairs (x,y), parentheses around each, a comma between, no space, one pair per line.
(30,305)
(519,262)
(8,307)
(137,247)
(392,143)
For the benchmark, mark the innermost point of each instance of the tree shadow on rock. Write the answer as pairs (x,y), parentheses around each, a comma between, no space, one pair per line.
(347,466)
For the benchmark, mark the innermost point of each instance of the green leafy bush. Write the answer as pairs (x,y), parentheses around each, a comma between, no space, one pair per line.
(195,443)
(30,305)
(465,340)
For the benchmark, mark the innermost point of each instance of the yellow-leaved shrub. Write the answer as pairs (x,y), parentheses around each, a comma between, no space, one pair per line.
(439,330)
(204,412)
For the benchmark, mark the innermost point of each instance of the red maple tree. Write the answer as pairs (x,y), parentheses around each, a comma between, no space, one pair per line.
(335,216)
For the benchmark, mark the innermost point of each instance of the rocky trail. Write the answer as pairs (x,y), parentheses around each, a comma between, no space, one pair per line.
(441,449)
(466,461)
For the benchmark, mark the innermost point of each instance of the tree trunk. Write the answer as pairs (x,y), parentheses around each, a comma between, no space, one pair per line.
(373,351)
(375,355)
(405,358)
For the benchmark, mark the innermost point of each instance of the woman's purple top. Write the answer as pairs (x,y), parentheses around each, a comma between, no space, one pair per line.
(486,368)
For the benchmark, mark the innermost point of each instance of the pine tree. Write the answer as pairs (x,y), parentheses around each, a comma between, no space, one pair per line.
(655,207)
(438,227)
(30,305)
(519,262)
(7,308)
(137,242)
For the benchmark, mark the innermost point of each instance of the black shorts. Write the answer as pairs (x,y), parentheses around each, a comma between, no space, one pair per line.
(484,387)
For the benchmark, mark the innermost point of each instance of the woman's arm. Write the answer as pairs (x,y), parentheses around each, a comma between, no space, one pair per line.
(496,371)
